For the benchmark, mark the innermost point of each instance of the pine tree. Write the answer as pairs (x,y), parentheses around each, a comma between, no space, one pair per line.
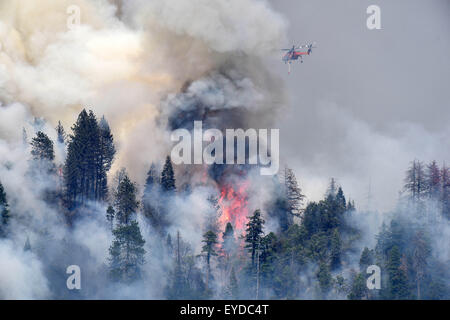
(178,286)
(294,194)
(232,289)
(126,202)
(151,201)
(420,254)
(445,193)
(254,234)
(351,205)
(169,244)
(366,259)
(228,241)
(43,168)
(110,214)
(433,177)
(93,158)
(117,179)
(185,279)
(27,246)
(42,148)
(80,167)
(43,154)
(332,188)
(208,249)
(24,137)
(324,278)
(398,283)
(4,213)
(359,288)
(106,158)
(415,181)
(268,267)
(335,250)
(340,199)
(152,179)
(341,285)
(90,152)
(60,133)
(212,215)
(168,176)
(126,253)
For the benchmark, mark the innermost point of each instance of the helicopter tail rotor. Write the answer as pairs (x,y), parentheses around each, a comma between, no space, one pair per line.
(310,47)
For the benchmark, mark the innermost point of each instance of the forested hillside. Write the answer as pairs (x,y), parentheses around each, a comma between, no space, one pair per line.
(289,248)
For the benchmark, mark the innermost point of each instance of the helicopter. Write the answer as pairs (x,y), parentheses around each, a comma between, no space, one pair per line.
(292,54)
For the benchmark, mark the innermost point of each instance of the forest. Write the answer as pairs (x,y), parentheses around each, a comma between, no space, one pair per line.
(288,248)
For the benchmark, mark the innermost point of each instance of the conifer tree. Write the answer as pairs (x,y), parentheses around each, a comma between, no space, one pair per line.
(340,199)
(27,246)
(106,157)
(254,234)
(445,193)
(152,204)
(366,259)
(228,241)
(359,288)
(92,158)
(169,245)
(232,289)
(332,188)
(335,250)
(110,214)
(42,148)
(4,213)
(117,179)
(341,285)
(90,153)
(351,205)
(324,278)
(126,202)
(415,181)
(60,133)
(208,249)
(168,176)
(212,215)
(433,184)
(294,194)
(43,154)
(178,282)
(420,255)
(126,253)
(43,168)
(80,167)
(152,179)
(398,283)
(24,137)
(185,279)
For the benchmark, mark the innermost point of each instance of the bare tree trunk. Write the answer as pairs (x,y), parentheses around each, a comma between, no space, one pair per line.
(207,276)
(418,289)
(257,273)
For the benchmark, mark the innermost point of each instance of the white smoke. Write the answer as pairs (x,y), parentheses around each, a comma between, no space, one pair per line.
(21,274)
(121,61)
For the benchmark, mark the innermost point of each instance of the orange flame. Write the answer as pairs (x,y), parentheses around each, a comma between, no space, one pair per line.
(233,203)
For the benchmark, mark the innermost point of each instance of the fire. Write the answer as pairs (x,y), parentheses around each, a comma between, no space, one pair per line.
(233,203)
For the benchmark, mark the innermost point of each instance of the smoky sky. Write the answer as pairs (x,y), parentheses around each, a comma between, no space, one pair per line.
(359,109)
(366,102)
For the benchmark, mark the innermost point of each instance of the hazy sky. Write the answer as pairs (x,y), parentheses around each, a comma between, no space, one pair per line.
(366,102)
(361,107)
